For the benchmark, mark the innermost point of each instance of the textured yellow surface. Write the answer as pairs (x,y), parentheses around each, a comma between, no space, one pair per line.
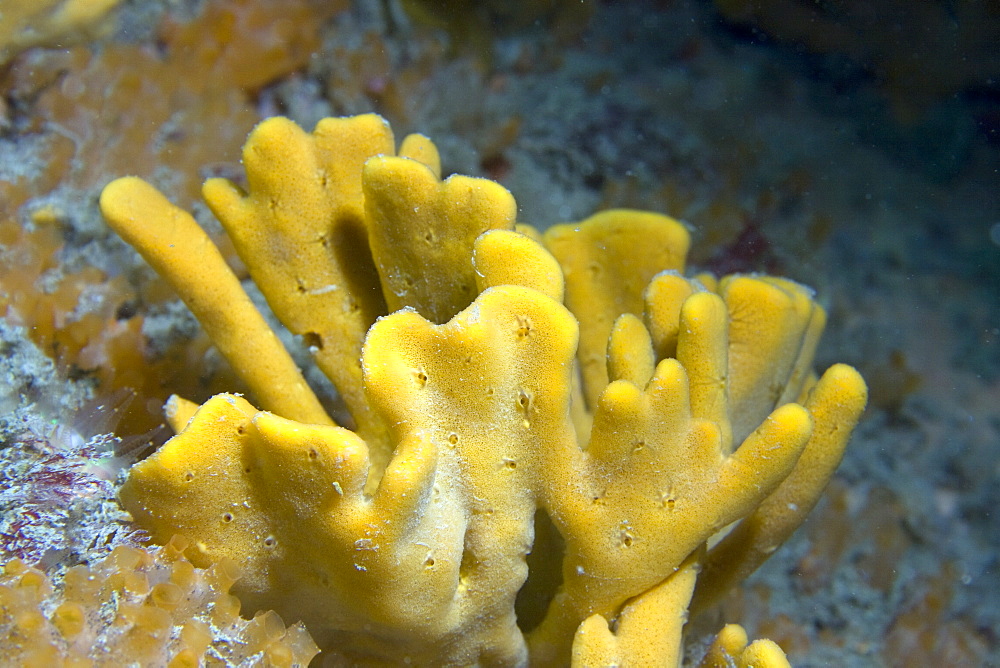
(773,332)
(608,260)
(421,231)
(286,500)
(502,257)
(173,243)
(647,631)
(643,417)
(300,230)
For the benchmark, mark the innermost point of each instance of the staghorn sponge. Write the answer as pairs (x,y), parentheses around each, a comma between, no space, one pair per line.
(140,606)
(644,416)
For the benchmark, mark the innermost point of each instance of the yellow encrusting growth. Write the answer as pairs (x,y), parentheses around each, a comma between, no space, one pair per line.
(140,607)
(643,417)
(27,23)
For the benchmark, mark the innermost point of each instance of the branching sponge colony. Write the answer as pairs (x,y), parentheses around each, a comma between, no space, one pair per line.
(504,386)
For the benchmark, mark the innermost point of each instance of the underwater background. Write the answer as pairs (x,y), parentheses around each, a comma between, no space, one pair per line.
(852,146)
